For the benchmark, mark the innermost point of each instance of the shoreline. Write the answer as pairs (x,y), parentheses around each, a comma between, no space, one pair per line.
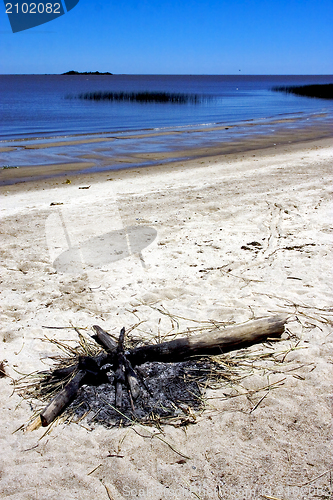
(99,155)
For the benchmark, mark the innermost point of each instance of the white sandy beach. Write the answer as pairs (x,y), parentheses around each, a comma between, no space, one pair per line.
(225,238)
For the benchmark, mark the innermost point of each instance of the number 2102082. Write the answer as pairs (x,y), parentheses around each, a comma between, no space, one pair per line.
(33,8)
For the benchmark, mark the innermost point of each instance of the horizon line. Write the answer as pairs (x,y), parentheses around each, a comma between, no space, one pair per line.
(170,74)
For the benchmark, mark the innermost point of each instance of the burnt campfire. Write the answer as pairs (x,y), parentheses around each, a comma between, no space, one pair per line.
(109,383)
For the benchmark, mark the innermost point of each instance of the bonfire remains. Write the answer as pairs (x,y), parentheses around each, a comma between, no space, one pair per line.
(132,371)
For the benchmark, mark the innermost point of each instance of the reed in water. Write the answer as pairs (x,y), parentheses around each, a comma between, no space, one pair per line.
(323,91)
(143,97)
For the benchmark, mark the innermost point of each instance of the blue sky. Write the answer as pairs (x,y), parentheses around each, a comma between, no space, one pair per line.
(177,37)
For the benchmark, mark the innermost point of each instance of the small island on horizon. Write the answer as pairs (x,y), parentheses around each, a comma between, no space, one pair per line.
(72,72)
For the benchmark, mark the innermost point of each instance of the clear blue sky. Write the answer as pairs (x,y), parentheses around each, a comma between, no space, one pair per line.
(177,37)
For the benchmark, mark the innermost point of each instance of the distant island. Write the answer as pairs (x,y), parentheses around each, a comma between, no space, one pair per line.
(86,73)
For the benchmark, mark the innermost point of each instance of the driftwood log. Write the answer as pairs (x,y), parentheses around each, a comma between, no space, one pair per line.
(62,399)
(214,342)
(122,362)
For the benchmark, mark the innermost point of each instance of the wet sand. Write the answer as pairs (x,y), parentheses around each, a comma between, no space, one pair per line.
(32,159)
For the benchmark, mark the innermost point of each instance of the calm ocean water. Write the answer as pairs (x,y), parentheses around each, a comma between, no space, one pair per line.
(36,105)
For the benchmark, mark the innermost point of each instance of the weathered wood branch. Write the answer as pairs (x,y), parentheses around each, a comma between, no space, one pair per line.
(104,339)
(62,399)
(214,342)
(120,373)
(88,370)
(132,380)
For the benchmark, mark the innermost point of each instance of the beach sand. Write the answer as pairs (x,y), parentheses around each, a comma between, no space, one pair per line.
(225,238)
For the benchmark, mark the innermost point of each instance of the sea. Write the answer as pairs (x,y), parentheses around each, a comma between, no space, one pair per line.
(44,107)
(38,105)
